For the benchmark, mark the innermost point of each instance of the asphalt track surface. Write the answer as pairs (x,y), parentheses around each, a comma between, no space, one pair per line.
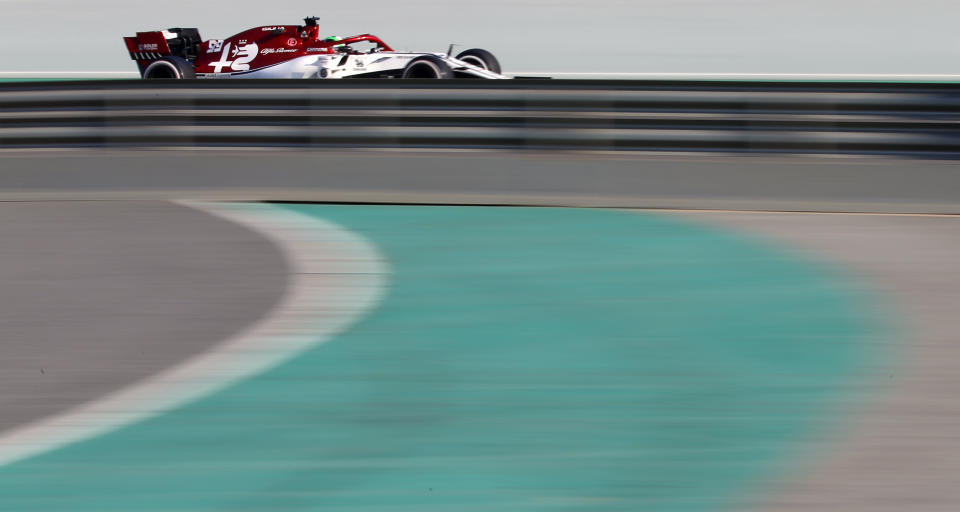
(509,338)
(97,295)
(634,180)
(890,445)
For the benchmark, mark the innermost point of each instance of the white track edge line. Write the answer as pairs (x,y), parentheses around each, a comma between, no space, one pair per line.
(337,276)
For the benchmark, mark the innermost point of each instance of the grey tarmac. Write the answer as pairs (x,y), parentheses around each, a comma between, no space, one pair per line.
(97,295)
(897,450)
(609,179)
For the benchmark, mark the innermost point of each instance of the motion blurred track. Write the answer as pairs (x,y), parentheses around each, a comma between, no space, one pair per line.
(899,411)
(98,295)
(892,454)
(893,444)
(793,183)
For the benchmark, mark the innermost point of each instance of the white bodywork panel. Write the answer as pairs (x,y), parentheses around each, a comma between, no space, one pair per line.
(350,65)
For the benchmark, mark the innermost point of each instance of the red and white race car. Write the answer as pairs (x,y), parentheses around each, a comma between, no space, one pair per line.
(295,51)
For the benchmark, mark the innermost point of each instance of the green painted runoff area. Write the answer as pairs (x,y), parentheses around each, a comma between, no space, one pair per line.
(523,359)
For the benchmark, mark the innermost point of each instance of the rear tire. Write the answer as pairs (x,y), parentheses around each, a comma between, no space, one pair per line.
(169,67)
(480,58)
(427,67)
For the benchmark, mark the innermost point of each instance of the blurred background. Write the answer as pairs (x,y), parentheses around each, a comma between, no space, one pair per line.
(709,264)
(607,36)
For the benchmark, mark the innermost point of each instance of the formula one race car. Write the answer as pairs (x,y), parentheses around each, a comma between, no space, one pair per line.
(294,51)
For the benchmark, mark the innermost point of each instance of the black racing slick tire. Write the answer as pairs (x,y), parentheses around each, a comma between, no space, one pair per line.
(481,59)
(427,67)
(169,67)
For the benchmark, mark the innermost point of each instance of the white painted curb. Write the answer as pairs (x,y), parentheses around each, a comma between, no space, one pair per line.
(337,276)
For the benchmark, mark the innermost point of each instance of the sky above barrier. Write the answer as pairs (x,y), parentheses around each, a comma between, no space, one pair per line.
(530,36)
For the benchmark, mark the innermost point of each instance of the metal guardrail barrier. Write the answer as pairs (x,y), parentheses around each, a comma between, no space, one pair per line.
(915,119)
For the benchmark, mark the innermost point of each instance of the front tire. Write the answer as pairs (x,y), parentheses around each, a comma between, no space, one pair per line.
(169,67)
(427,67)
(480,58)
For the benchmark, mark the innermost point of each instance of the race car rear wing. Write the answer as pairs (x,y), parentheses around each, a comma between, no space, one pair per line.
(150,46)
